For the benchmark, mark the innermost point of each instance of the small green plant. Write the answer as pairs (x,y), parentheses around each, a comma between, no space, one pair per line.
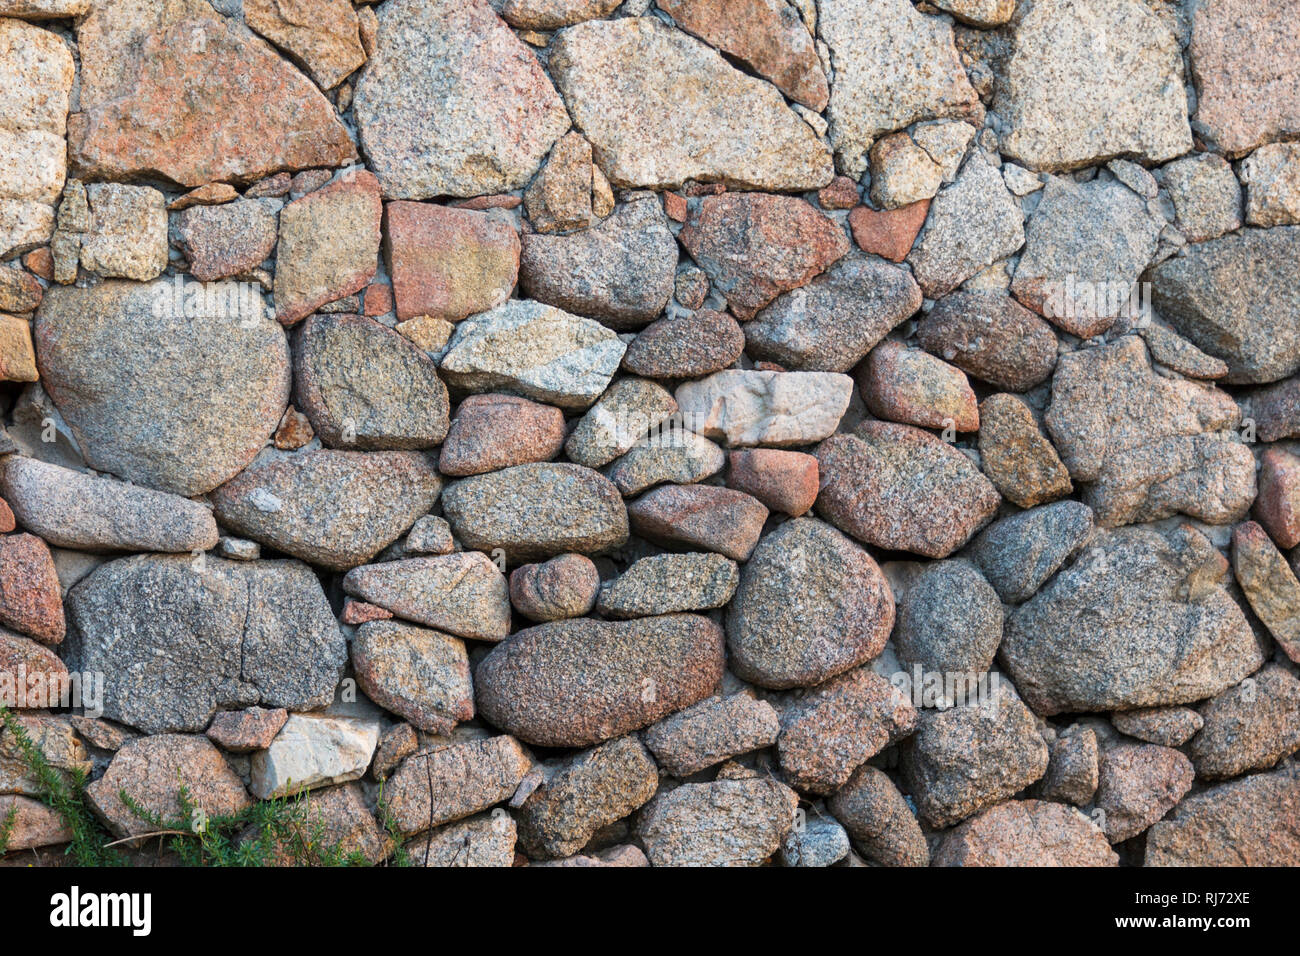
(65,795)
(270,832)
(7,829)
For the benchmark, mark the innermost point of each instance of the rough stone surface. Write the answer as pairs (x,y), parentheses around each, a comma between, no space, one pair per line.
(364,386)
(563,587)
(1205,194)
(177,639)
(30,597)
(486,840)
(963,760)
(537,511)
(1137,784)
(1242,101)
(1140,619)
(536,350)
(972,223)
(31,824)
(243,731)
(949,620)
(681,113)
(493,431)
(811,604)
(1278,504)
(128,236)
(448,263)
(685,346)
(452,103)
(677,456)
(329,245)
(893,66)
(767,36)
(754,246)
(1072,768)
(1019,553)
(747,407)
(620,270)
(73,509)
(152,771)
(1223,297)
(838,726)
(724,823)
(784,481)
(417,673)
(1026,833)
(1272,178)
(915,388)
(216,384)
(153,77)
(668,583)
(1086,245)
(1248,727)
(227,240)
(464,594)
(832,322)
(629,409)
(1017,457)
(991,337)
(441,785)
(1073,101)
(576,683)
(700,516)
(895,486)
(590,790)
(1167,726)
(1246,822)
(710,732)
(311,752)
(336,509)
(881,824)
(322,35)
(1269,584)
(1145,446)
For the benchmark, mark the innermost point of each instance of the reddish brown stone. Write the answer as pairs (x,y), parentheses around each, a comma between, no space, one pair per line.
(308,181)
(378,299)
(243,731)
(269,188)
(564,586)
(842,193)
(494,431)
(294,430)
(782,480)
(1278,505)
(499,201)
(209,194)
(685,346)
(913,387)
(902,488)
(41,262)
(329,245)
(700,516)
(768,36)
(33,824)
(448,263)
(676,207)
(1275,410)
(38,670)
(754,246)
(6,517)
(187,94)
(30,598)
(1246,98)
(19,290)
(888,232)
(1026,833)
(359,612)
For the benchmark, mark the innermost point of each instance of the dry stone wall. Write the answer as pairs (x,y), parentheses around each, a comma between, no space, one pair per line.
(668,432)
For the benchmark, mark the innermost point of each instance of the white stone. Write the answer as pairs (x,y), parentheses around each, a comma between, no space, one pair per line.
(311,752)
(751,407)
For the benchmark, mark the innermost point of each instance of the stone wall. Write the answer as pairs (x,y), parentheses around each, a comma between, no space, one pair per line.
(709,432)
